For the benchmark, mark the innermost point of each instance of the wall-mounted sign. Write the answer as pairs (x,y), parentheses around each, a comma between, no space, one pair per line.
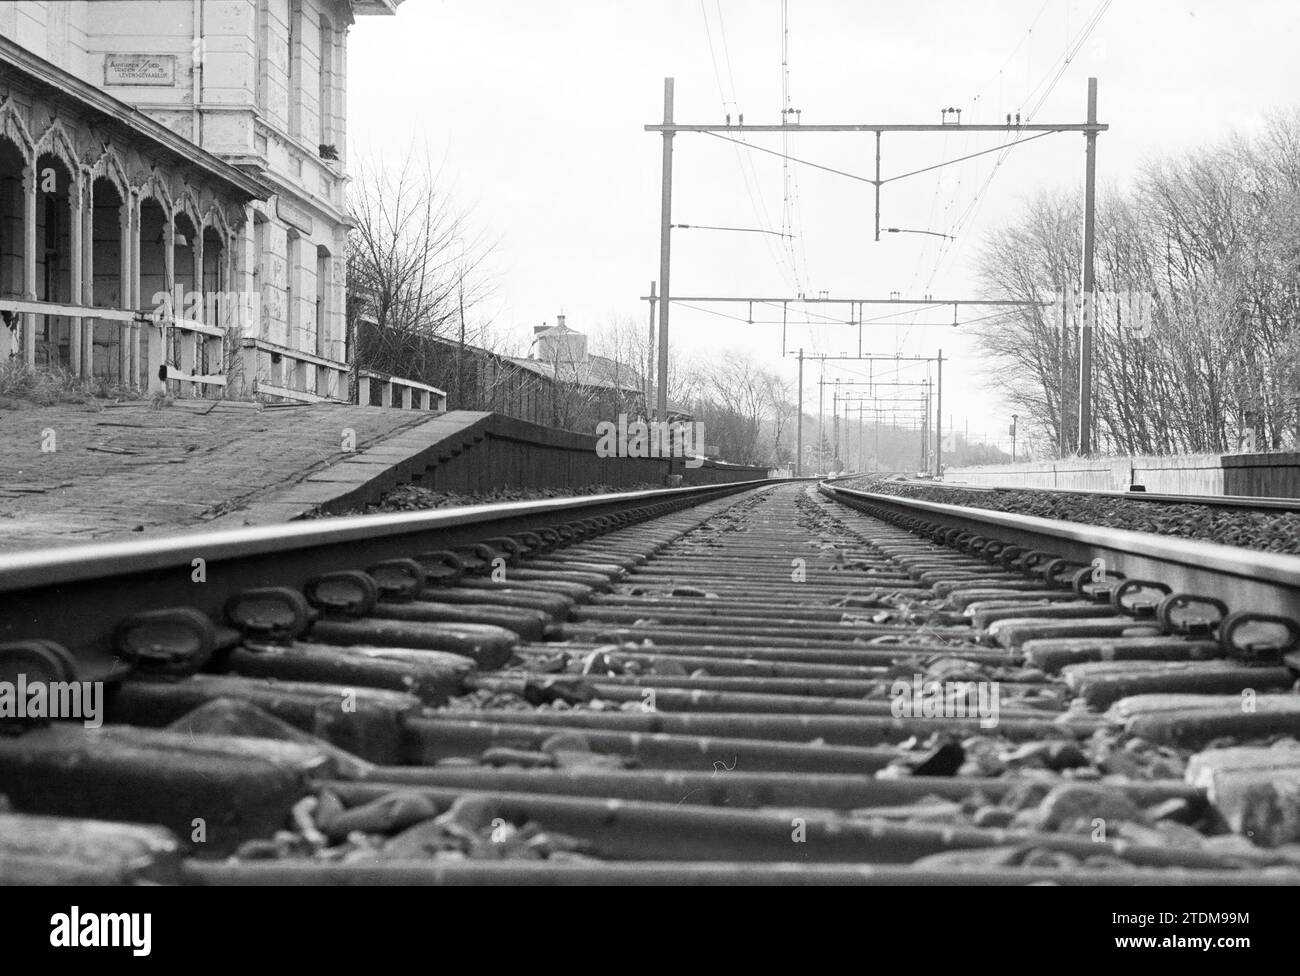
(293,215)
(140,69)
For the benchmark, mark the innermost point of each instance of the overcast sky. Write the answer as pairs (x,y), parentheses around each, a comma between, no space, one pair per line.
(536,111)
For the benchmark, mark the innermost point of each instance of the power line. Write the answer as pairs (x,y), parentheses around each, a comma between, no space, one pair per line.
(879,321)
(726,52)
(972,210)
(974,205)
(717,76)
(669,129)
(828,319)
(1025,35)
(759,209)
(962,159)
(929,221)
(747,230)
(860,320)
(887,179)
(785,112)
(790,204)
(797,212)
(711,311)
(1089,26)
(795,159)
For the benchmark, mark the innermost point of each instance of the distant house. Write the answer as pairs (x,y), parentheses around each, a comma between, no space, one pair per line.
(560,384)
(560,353)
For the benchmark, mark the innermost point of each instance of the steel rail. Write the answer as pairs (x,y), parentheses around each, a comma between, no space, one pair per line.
(1261,582)
(714,873)
(654,807)
(1247,502)
(75,595)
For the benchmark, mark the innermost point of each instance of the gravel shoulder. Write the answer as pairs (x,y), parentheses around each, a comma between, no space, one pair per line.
(1264,531)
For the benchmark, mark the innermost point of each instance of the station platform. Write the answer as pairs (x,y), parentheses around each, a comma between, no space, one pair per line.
(82,473)
(78,473)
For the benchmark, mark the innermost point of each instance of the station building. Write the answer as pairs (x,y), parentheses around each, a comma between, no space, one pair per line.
(172,176)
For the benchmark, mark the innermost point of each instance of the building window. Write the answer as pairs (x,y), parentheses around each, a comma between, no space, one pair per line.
(262,32)
(323,302)
(326,95)
(293,265)
(295,67)
(259,268)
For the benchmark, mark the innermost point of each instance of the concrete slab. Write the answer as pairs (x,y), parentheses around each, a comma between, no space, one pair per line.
(84,472)
(80,473)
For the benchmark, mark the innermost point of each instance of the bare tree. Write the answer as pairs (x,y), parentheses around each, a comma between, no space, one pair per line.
(1211,236)
(744,408)
(627,345)
(781,410)
(415,269)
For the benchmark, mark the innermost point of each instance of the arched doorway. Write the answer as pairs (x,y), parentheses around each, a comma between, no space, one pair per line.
(109,342)
(182,347)
(324,307)
(216,304)
(55,193)
(155,288)
(11,241)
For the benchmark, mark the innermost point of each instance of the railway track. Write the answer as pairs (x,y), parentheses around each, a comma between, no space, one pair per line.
(1249,503)
(771,683)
